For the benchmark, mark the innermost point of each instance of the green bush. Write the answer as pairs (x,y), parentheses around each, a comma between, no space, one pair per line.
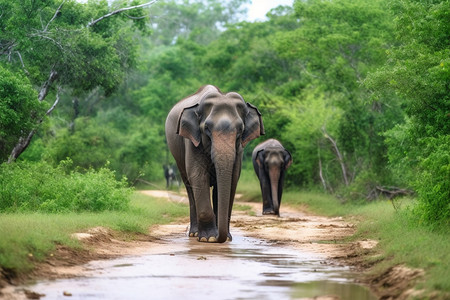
(41,187)
(433,182)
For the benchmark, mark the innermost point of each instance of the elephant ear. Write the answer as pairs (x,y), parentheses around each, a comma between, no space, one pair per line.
(253,125)
(188,125)
(259,158)
(287,159)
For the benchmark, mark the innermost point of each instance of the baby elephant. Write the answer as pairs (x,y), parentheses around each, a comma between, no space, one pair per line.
(270,161)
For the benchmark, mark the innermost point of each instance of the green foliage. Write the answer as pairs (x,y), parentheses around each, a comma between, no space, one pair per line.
(54,44)
(403,156)
(338,44)
(142,154)
(19,110)
(346,37)
(132,146)
(305,134)
(433,182)
(55,190)
(417,74)
(87,148)
(84,57)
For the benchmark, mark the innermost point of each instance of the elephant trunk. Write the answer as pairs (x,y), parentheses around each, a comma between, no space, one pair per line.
(274,175)
(224,156)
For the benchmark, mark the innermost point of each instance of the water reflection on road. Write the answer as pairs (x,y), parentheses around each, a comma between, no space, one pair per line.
(183,268)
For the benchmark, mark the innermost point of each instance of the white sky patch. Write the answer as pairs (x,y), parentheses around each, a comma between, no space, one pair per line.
(259,8)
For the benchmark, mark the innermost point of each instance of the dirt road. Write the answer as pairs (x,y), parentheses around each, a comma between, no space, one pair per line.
(299,229)
(295,230)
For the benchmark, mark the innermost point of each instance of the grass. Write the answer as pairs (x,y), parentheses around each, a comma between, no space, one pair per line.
(29,237)
(402,240)
(248,185)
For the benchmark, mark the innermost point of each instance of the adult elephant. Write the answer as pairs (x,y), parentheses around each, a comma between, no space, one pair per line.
(270,161)
(206,133)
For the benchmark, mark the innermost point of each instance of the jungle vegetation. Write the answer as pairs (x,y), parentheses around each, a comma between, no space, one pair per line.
(356,90)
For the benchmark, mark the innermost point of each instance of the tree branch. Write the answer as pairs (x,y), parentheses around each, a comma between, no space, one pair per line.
(49,111)
(92,23)
(135,18)
(21,61)
(48,38)
(47,84)
(55,15)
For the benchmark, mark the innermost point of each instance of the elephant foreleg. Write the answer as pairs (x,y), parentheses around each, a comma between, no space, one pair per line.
(206,219)
(198,175)
(266,193)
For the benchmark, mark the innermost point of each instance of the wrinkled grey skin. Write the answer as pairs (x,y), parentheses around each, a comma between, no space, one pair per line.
(206,133)
(270,161)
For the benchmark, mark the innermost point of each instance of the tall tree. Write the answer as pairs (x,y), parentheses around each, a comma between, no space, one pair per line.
(66,45)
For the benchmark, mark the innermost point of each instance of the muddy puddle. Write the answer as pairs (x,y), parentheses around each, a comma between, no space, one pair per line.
(182,268)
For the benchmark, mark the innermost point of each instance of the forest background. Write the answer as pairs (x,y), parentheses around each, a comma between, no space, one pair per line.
(356,90)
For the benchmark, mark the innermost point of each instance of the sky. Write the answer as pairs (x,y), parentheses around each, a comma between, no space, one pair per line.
(258,9)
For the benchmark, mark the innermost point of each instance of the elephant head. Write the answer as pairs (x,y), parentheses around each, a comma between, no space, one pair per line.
(272,161)
(221,125)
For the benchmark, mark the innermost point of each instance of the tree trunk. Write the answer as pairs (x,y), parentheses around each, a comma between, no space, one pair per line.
(21,145)
(24,142)
(322,179)
(76,112)
(338,154)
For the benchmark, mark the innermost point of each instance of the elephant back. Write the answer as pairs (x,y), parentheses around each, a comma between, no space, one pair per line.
(270,143)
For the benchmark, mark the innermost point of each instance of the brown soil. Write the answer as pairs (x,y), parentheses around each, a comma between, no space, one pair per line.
(296,228)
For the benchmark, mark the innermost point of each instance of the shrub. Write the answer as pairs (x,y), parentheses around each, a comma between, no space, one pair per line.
(433,182)
(40,187)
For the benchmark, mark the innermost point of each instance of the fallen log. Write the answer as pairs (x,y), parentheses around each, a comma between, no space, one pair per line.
(390,192)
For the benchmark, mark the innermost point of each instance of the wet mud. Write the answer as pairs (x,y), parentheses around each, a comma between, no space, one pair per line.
(182,268)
